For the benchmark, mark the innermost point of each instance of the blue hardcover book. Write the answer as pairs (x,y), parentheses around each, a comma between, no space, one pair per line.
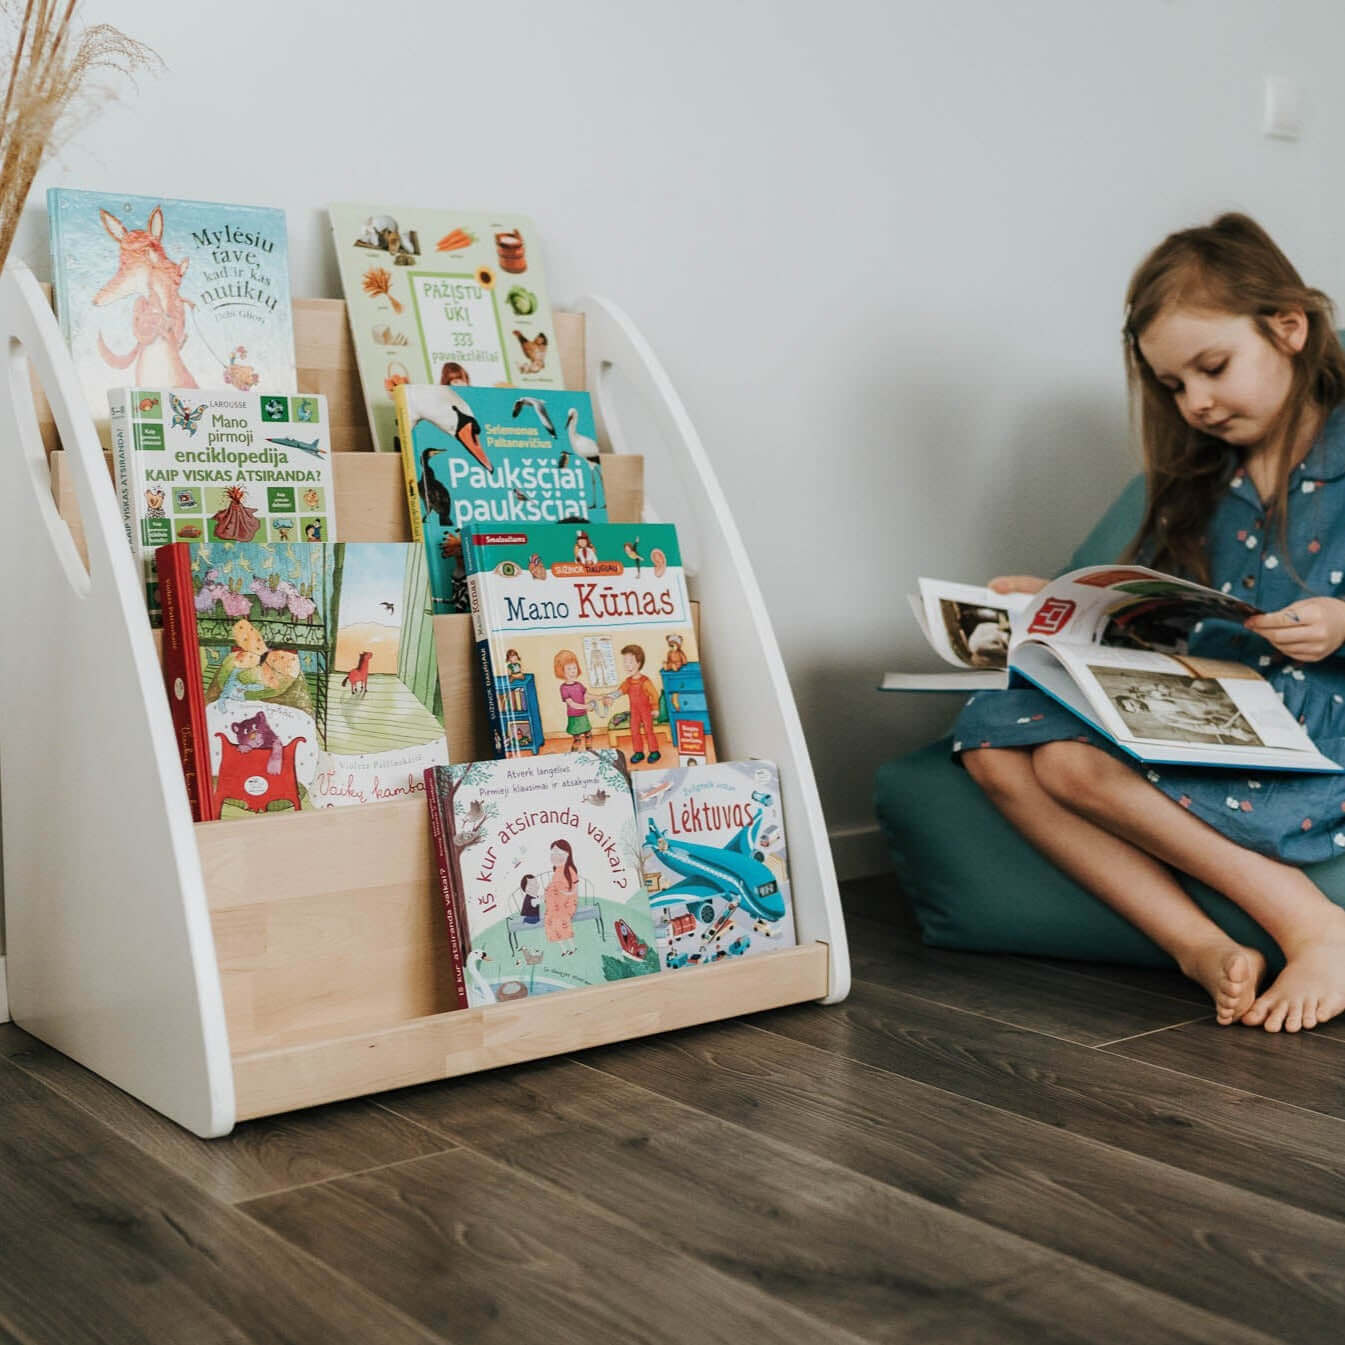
(158,293)
(478,457)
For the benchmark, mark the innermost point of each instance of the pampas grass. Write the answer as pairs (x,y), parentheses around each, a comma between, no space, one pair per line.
(53,78)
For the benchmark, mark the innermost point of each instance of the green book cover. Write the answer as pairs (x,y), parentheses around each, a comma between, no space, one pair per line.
(442,296)
(219,466)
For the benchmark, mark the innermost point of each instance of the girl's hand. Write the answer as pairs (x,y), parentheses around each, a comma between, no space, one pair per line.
(1306,631)
(1017,583)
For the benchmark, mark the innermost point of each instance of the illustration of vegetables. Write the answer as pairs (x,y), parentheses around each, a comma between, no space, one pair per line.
(455,241)
(521,301)
(378,280)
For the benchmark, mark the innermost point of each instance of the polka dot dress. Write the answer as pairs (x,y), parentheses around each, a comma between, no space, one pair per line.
(1295,817)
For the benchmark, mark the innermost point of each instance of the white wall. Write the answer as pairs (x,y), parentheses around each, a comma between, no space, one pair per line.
(881,247)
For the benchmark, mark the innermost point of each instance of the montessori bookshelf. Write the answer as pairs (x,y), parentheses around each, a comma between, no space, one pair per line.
(228,970)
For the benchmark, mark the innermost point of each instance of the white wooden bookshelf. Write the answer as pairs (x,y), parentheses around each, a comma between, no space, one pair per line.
(228,970)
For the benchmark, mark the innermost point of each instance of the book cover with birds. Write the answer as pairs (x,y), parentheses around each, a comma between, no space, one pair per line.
(714,857)
(301,675)
(216,467)
(448,297)
(479,457)
(585,639)
(170,294)
(545,859)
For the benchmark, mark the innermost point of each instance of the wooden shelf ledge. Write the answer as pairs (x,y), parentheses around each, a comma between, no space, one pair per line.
(448,1044)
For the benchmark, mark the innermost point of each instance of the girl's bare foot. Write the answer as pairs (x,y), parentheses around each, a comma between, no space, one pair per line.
(1311,988)
(1230,972)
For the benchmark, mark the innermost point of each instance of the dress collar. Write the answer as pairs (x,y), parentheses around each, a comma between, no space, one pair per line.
(1325,461)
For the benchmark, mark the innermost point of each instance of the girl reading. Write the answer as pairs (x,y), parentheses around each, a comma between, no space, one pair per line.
(1240,382)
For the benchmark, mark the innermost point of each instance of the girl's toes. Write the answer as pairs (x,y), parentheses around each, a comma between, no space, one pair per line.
(1293,1018)
(1275,1018)
(1309,1017)
(1256,1015)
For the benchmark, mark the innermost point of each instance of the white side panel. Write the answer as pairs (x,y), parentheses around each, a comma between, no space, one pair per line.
(751,700)
(109,949)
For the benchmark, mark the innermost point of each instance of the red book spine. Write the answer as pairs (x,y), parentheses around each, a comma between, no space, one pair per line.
(441,827)
(182,674)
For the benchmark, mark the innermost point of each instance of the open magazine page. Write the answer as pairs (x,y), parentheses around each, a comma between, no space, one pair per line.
(967,626)
(1177,710)
(1126,606)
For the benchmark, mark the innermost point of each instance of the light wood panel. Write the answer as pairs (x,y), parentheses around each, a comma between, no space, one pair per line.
(468,1040)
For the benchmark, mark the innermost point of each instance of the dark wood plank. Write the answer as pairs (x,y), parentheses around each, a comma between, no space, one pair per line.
(1153,980)
(1223,1133)
(486,1254)
(1304,1069)
(852,1251)
(1254,1259)
(258,1157)
(100,1243)
(1014,991)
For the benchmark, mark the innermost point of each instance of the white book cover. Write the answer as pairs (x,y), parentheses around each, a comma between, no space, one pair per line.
(219,466)
(715,860)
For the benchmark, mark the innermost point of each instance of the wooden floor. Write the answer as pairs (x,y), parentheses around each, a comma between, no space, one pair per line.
(970,1149)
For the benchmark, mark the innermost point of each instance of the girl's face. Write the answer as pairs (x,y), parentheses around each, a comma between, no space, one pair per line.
(558,856)
(571,671)
(1226,379)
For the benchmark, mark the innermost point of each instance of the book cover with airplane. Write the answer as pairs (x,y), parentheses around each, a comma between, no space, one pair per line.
(219,466)
(492,457)
(164,293)
(714,860)
(544,865)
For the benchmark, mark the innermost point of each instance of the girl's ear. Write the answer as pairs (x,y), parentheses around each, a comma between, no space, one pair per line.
(1291,327)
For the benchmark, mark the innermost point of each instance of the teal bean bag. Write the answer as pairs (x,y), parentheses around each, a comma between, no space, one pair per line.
(974,883)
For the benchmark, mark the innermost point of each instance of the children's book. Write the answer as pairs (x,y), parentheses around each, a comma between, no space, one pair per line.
(170,294)
(439,788)
(585,639)
(219,466)
(1111,644)
(442,296)
(300,674)
(492,457)
(714,860)
(544,856)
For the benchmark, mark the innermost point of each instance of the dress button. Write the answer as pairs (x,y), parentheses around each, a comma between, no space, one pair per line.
(1248,582)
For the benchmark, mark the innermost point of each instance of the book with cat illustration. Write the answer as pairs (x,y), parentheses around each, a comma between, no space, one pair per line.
(544,866)
(301,675)
(492,457)
(442,296)
(714,859)
(585,639)
(162,293)
(219,466)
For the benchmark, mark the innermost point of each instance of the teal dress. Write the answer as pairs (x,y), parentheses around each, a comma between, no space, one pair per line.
(1291,816)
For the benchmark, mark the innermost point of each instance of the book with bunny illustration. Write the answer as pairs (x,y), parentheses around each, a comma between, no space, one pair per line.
(449,297)
(162,293)
(714,857)
(585,639)
(219,466)
(544,864)
(492,457)
(301,675)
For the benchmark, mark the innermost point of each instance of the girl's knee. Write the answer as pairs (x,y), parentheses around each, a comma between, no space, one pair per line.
(1001,772)
(1073,773)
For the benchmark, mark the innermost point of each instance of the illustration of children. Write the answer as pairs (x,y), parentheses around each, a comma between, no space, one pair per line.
(513,664)
(640,692)
(453,374)
(561,897)
(574,696)
(530,907)
(584,551)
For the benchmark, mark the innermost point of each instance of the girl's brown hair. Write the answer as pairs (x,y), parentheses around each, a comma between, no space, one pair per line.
(1231,266)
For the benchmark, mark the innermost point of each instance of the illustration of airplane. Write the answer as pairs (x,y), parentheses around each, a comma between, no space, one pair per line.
(303,447)
(733,873)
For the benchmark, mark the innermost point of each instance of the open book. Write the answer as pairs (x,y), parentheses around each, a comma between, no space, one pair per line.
(1109,643)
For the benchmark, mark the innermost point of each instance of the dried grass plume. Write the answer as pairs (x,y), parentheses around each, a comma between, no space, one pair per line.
(54,75)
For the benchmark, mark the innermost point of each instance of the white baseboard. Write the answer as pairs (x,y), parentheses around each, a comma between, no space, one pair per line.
(859,852)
